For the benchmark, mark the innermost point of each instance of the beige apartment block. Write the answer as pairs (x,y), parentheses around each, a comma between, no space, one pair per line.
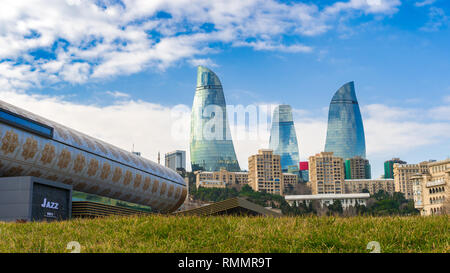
(264,172)
(371,185)
(326,173)
(289,179)
(431,190)
(357,168)
(402,175)
(224,176)
(211,184)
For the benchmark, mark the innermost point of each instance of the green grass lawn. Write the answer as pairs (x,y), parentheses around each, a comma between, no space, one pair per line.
(230,234)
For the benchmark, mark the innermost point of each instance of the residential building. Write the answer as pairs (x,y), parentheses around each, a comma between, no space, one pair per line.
(345,133)
(432,189)
(211,144)
(264,172)
(357,168)
(223,176)
(326,173)
(370,185)
(211,184)
(283,139)
(346,200)
(175,160)
(402,175)
(389,167)
(289,179)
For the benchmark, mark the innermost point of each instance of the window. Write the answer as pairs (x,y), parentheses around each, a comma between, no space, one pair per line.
(25,124)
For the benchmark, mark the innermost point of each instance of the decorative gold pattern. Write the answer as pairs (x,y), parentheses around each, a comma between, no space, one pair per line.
(155,186)
(14,171)
(80,186)
(76,138)
(101,147)
(48,154)
(124,156)
(117,174)
(68,181)
(137,180)
(10,142)
(79,163)
(163,188)
(128,177)
(64,159)
(89,143)
(63,134)
(29,148)
(52,177)
(35,173)
(93,167)
(171,189)
(147,182)
(94,189)
(105,171)
(180,201)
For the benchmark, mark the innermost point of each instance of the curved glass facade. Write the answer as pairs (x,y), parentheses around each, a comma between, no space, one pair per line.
(345,134)
(211,144)
(283,139)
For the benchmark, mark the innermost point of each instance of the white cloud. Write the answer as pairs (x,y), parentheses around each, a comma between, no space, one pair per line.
(424,3)
(447,98)
(437,19)
(77,40)
(202,61)
(117,94)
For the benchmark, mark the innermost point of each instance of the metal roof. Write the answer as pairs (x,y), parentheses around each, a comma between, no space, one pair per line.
(327,196)
(233,206)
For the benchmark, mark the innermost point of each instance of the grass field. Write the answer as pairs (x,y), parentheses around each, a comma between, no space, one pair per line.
(230,234)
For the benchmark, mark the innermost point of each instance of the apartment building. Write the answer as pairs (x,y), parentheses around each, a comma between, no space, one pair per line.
(225,177)
(264,172)
(326,173)
(431,190)
(402,175)
(371,185)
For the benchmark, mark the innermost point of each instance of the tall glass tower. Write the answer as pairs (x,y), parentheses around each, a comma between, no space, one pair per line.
(283,139)
(345,135)
(211,144)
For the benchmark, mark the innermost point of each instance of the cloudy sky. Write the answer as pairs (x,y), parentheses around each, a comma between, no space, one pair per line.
(124,70)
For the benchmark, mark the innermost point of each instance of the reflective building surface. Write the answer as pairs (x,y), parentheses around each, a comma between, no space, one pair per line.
(211,144)
(345,135)
(283,139)
(31,145)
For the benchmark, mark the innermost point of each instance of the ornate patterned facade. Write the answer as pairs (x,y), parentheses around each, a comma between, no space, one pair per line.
(88,164)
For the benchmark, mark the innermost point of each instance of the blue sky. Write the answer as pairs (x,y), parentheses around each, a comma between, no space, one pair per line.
(109,62)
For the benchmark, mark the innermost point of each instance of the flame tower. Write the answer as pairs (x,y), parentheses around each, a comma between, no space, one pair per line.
(211,146)
(283,139)
(345,135)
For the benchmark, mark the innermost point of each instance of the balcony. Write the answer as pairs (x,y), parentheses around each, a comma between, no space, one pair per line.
(435,183)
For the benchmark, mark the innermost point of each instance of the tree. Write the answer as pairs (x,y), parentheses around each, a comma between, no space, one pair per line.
(335,208)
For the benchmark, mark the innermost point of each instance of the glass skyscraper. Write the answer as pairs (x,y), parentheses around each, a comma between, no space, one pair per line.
(283,139)
(345,135)
(211,144)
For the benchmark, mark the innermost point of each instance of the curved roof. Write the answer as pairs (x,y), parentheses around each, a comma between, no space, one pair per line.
(206,76)
(95,146)
(346,92)
(283,113)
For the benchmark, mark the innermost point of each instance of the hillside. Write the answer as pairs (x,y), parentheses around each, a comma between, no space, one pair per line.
(158,233)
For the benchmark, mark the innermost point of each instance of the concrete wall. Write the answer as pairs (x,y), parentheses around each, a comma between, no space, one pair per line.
(17,194)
